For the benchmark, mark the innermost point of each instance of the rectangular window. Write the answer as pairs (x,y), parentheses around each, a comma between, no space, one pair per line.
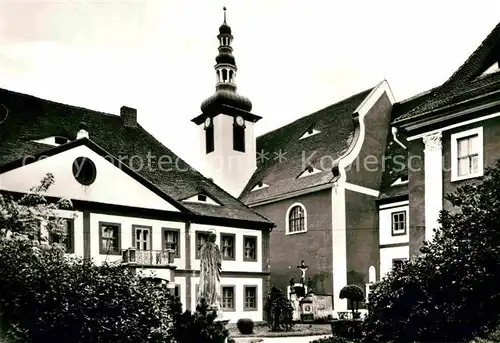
(250,298)
(209,139)
(172,236)
(142,237)
(398,223)
(201,238)
(177,291)
(228,298)
(250,248)
(227,246)
(109,237)
(69,239)
(238,138)
(467,154)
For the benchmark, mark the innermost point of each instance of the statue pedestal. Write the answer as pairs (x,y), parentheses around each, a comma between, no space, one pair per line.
(220,314)
(219,317)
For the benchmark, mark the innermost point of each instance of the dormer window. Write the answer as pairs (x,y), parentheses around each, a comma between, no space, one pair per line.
(494,68)
(201,199)
(310,170)
(53,140)
(258,186)
(310,132)
(400,181)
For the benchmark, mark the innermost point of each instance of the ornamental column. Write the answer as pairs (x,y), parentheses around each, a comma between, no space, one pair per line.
(433,168)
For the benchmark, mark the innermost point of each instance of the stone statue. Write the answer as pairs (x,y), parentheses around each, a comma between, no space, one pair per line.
(210,270)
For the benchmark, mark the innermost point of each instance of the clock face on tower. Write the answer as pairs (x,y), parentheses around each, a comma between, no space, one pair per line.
(240,121)
(208,121)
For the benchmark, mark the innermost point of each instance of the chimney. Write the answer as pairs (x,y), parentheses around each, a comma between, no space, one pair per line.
(82,131)
(129,116)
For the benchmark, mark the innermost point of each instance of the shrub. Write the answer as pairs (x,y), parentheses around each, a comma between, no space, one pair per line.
(331,339)
(245,326)
(347,328)
(47,298)
(199,327)
(450,292)
(354,294)
(279,311)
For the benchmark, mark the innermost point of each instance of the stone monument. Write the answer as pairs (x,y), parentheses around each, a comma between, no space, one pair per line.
(210,272)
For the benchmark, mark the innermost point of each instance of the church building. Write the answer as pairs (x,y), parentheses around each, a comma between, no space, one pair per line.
(354,188)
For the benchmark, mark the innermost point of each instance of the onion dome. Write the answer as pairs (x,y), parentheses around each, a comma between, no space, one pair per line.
(225,58)
(224,28)
(227,97)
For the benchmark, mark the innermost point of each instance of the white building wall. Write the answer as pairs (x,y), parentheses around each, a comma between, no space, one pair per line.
(239,296)
(229,169)
(108,186)
(126,235)
(388,254)
(238,264)
(385,223)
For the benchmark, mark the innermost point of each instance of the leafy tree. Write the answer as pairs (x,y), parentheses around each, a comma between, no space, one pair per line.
(449,293)
(25,217)
(354,294)
(279,311)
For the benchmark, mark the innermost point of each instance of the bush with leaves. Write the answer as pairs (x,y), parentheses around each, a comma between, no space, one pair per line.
(198,327)
(245,326)
(450,292)
(354,294)
(46,296)
(279,311)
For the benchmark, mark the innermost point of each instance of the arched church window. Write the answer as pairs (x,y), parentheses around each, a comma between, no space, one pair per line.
(224,75)
(296,219)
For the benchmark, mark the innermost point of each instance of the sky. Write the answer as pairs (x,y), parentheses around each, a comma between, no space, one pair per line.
(294,57)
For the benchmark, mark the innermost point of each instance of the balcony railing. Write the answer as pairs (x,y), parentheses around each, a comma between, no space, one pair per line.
(148,257)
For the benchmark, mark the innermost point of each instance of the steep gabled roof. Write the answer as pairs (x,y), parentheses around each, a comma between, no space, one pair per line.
(30,118)
(336,127)
(466,82)
(395,155)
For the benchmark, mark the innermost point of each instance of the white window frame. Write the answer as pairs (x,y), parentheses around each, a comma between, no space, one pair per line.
(454,154)
(287,219)
(404,231)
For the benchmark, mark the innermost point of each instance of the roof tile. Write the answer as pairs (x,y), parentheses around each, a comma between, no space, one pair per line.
(33,118)
(336,127)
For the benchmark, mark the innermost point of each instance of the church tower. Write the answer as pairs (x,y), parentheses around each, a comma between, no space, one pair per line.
(226,126)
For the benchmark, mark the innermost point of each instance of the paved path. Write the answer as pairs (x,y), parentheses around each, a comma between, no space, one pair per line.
(302,339)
